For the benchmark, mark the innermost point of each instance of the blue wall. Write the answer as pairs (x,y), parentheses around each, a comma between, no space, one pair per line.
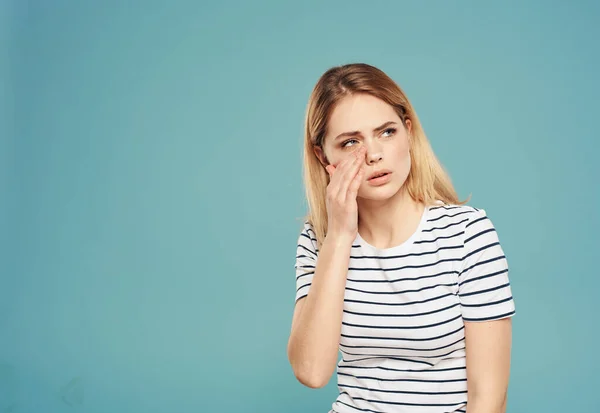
(152,195)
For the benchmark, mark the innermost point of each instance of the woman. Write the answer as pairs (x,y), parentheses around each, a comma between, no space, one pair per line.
(407,282)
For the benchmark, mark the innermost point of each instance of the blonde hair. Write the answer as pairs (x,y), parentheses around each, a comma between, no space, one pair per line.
(427,180)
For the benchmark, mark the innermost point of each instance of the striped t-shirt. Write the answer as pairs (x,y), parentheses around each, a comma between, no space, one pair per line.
(402,339)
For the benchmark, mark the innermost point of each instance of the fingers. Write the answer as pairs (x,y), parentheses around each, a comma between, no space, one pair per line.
(344,173)
(351,171)
(355,182)
(335,173)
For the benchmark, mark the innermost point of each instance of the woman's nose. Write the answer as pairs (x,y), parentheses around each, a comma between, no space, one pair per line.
(374,156)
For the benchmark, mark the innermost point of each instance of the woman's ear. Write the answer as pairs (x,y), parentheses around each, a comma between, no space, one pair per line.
(320,155)
(408,125)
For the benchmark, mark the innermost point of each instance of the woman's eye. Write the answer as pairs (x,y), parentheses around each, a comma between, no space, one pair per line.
(391,131)
(386,133)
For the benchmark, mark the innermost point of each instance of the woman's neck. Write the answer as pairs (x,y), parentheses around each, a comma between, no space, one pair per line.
(389,223)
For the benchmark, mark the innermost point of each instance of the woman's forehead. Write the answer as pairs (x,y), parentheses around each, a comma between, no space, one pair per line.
(361,113)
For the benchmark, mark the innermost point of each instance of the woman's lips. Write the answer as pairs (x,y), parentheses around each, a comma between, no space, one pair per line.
(380,180)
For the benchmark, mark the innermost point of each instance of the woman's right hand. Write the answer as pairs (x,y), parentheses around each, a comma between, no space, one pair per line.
(342,208)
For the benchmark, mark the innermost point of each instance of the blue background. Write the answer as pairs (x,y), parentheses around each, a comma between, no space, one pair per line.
(151,188)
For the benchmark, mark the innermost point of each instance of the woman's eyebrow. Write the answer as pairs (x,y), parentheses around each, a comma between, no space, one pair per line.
(355,133)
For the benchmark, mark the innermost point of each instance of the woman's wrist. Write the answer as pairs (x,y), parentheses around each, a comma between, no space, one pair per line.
(341,239)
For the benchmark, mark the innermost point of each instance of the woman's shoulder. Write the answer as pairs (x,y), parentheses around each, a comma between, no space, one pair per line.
(307,228)
(449,216)
(467,220)
(441,209)
(307,235)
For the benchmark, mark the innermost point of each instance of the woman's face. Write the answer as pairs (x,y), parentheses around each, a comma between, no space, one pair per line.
(364,120)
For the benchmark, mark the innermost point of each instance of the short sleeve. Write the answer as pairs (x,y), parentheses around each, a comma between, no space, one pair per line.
(306,259)
(483,285)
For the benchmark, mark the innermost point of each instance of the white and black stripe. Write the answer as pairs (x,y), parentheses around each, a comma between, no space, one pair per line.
(402,339)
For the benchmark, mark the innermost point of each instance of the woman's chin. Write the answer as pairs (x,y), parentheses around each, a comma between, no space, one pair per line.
(380,193)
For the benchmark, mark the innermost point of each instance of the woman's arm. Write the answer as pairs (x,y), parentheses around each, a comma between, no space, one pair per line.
(316,326)
(488,347)
(487,306)
(317,322)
